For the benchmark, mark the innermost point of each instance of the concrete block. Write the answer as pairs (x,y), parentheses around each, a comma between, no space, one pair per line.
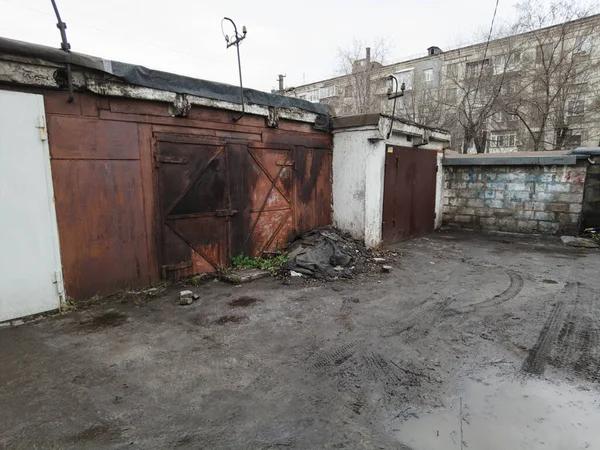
(545,216)
(489,194)
(245,275)
(558,187)
(520,196)
(457,201)
(507,224)
(496,186)
(527,226)
(464,211)
(475,203)
(463,219)
(477,185)
(515,186)
(548,227)
(567,218)
(546,178)
(577,187)
(512,176)
(494,203)
(484,212)
(534,206)
(574,208)
(445,201)
(571,198)
(557,207)
(503,212)
(524,215)
(543,196)
(487,221)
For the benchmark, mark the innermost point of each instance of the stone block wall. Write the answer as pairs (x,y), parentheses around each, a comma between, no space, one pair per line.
(523,199)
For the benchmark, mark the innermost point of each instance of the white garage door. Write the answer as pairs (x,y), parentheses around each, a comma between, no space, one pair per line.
(30,270)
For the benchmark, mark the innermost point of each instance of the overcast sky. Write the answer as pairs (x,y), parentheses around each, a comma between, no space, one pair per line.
(297,38)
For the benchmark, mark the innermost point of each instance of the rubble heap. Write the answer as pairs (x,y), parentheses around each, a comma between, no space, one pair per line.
(326,254)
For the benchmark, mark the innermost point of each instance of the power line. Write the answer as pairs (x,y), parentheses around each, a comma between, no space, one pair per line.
(129,38)
(487,43)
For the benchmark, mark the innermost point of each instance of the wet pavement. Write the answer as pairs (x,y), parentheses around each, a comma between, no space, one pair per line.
(496,412)
(471,342)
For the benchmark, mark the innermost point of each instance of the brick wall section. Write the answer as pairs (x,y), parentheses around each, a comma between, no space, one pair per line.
(522,199)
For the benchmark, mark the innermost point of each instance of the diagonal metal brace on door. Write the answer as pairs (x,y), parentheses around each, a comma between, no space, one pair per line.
(282,165)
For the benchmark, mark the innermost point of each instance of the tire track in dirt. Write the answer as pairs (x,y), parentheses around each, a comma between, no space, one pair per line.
(335,356)
(363,375)
(514,288)
(577,348)
(540,353)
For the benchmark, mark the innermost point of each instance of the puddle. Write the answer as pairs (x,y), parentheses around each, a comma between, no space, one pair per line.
(510,413)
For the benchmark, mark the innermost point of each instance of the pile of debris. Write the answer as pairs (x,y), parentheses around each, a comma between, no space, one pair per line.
(329,254)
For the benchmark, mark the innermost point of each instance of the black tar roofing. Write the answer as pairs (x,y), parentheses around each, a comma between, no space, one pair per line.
(156,79)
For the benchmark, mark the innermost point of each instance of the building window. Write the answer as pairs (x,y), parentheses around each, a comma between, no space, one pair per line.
(499,64)
(326,92)
(453,70)
(583,45)
(576,108)
(502,141)
(573,139)
(474,68)
(545,52)
(451,95)
(406,77)
(428,74)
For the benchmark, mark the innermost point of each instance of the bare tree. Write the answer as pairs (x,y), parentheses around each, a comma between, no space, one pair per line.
(557,71)
(472,92)
(422,103)
(359,61)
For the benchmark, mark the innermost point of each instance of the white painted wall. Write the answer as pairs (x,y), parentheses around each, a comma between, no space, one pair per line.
(375,174)
(30,269)
(350,151)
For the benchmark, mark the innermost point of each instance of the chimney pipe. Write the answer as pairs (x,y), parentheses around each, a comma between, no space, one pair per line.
(368,55)
(280,79)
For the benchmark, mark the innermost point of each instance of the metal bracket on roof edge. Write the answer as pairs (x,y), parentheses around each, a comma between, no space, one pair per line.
(181,106)
(323,123)
(273,117)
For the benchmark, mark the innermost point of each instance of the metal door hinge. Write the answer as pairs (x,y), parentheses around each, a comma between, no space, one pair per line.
(170,159)
(56,278)
(225,212)
(41,124)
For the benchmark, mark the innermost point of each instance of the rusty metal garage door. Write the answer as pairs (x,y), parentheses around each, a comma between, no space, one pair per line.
(221,199)
(408,193)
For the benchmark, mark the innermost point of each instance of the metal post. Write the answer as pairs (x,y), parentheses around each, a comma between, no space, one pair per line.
(66,47)
(237,38)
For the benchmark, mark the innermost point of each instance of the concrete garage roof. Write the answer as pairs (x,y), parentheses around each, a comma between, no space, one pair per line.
(24,63)
(547,158)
